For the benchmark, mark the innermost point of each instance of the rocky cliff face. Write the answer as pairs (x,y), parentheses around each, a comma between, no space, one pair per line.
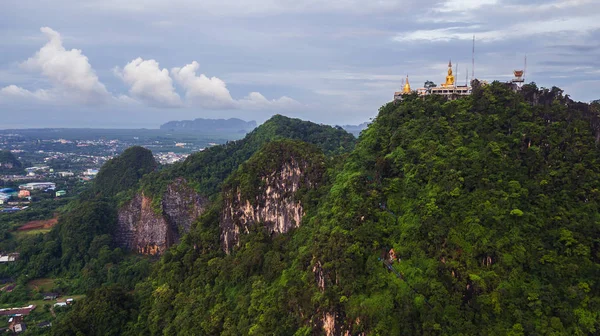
(142,230)
(274,204)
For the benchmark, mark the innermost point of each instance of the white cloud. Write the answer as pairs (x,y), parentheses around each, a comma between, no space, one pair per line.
(73,80)
(252,8)
(464,5)
(257,101)
(212,92)
(14,91)
(69,72)
(202,90)
(149,83)
(572,25)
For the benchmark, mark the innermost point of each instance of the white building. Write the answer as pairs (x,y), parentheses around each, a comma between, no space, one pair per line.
(91,172)
(9,257)
(38,186)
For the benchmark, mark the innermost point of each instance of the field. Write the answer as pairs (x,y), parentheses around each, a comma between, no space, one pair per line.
(36,227)
(42,285)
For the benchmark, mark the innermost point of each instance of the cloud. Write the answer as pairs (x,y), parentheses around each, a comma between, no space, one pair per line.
(571,25)
(13,91)
(73,80)
(464,5)
(149,83)
(202,90)
(257,101)
(251,8)
(69,72)
(212,92)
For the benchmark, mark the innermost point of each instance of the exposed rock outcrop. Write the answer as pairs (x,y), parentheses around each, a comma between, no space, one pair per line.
(143,230)
(273,204)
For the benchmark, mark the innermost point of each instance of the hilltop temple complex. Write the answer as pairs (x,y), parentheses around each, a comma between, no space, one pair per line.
(450,88)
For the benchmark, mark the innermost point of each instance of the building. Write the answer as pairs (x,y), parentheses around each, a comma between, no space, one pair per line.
(405,90)
(91,172)
(50,296)
(9,257)
(24,193)
(66,174)
(16,325)
(61,193)
(38,186)
(448,89)
(17,311)
(451,89)
(4,198)
(37,168)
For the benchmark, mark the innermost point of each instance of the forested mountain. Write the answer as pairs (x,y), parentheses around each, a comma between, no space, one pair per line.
(476,216)
(124,171)
(473,216)
(9,164)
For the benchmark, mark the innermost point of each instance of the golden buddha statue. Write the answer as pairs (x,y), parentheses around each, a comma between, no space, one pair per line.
(450,77)
(406,89)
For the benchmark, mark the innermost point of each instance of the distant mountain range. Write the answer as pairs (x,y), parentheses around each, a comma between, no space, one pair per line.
(355,129)
(208,125)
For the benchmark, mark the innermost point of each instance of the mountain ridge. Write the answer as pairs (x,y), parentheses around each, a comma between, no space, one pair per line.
(201,124)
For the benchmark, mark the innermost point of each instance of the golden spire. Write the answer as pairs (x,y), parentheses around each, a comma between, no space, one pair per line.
(406,88)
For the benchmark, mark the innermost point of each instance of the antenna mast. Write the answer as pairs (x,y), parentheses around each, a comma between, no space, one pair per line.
(473,60)
(467,77)
(525,68)
(456,76)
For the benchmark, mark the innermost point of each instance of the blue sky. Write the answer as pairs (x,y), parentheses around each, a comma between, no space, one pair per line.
(140,63)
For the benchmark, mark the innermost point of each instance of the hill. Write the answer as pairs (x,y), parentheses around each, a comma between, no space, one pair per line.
(477,216)
(167,202)
(355,129)
(473,216)
(209,168)
(123,172)
(210,125)
(9,164)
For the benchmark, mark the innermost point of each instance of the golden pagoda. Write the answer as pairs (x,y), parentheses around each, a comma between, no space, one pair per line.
(406,89)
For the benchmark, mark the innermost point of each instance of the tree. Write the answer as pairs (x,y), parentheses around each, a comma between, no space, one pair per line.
(429,84)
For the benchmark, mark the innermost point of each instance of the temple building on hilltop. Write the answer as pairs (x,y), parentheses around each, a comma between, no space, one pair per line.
(450,88)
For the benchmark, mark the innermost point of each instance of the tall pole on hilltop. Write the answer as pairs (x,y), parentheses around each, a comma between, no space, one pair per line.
(473,60)
(525,69)
(456,76)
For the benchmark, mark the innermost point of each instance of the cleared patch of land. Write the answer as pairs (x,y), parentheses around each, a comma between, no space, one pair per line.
(46,224)
(41,285)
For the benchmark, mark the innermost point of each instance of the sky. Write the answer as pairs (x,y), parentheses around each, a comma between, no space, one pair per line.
(141,63)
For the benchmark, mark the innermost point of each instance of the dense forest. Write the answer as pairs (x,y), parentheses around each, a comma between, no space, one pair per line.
(9,164)
(474,216)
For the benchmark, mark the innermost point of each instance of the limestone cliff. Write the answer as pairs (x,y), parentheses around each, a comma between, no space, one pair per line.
(271,192)
(141,229)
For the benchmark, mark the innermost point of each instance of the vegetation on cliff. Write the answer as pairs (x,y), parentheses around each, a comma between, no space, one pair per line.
(486,208)
(9,164)
(124,171)
(472,216)
(208,169)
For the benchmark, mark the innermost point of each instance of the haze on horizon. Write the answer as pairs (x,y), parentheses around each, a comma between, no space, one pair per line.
(130,64)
